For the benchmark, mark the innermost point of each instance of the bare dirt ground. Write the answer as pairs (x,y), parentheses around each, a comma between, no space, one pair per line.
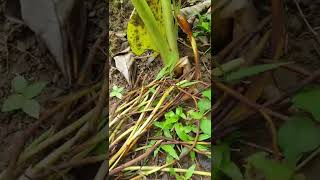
(21,53)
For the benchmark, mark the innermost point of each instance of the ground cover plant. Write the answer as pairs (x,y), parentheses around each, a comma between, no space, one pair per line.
(161,127)
(266,117)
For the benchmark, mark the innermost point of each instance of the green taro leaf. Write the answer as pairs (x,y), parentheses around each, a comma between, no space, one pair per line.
(297,136)
(205,126)
(250,71)
(19,83)
(309,100)
(204,105)
(13,102)
(170,150)
(137,34)
(190,171)
(32,108)
(34,89)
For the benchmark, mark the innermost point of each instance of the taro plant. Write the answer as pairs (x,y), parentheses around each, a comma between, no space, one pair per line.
(152,26)
(23,97)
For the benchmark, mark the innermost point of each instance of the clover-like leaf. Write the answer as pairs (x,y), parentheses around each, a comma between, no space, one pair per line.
(32,108)
(19,83)
(34,89)
(13,102)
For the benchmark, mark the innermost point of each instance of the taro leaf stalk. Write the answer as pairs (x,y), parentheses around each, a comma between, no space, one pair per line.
(166,45)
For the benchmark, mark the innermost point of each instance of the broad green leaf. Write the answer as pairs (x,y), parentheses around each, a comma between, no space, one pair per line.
(251,71)
(221,156)
(204,137)
(297,136)
(308,100)
(195,114)
(170,150)
(34,89)
(232,170)
(205,126)
(207,93)
(13,102)
(190,171)
(204,105)
(180,132)
(19,83)
(32,108)
(179,112)
(138,37)
(271,169)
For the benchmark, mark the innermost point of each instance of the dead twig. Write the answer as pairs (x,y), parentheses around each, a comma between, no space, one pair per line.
(141,157)
(247,102)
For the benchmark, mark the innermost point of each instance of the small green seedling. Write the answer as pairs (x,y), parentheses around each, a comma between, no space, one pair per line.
(23,97)
(180,125)
(116,92)
(203,27)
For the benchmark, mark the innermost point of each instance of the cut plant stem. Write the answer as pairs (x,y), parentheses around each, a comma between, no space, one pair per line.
(148,168)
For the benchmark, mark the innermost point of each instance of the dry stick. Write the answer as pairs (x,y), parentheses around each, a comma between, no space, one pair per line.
(315,34)
(102,101)
(308,159)
(20,141)
(246,101)
(71,164)
(183,155)
(134,161)
(242,40)
(256,146)
(273,132)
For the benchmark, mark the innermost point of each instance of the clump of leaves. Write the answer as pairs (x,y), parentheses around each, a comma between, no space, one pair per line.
(222,164)
(116,92)
(23,97)
(203,26)
(180,124)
